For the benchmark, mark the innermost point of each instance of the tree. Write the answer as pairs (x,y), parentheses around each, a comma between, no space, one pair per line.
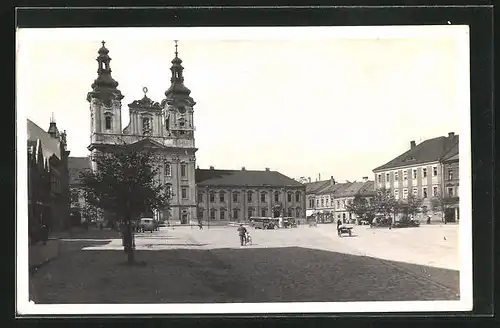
(358,206)
(440,203)
(125,183)
(385,203)
(411,205)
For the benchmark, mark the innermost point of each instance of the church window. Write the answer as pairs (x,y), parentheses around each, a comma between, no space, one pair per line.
(146,127)
(108,122)
(183,170)
(184,193)
(168,170)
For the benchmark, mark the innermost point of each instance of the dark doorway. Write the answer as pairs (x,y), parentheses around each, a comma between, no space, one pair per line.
(184,219)
(277,214)
(449,215)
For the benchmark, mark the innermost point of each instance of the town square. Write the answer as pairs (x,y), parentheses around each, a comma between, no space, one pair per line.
(201,171)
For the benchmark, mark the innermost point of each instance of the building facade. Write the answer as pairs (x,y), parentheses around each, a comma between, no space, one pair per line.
(237,195)
(166,128)
(330,201)
(420,171)
(48,178)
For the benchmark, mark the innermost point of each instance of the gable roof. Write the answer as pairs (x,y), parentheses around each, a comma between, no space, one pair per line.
(332,189)
(50,146)
(75,166)
(430,150)
(313,187)
(249,178)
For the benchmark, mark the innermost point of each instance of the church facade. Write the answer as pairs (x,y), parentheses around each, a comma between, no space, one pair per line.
(167,129)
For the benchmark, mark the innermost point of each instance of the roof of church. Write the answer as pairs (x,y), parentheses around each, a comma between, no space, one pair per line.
(430,150)
(50,146)
(212,177)
(75,166)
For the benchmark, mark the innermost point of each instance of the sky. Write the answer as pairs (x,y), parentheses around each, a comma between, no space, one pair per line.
(306,102)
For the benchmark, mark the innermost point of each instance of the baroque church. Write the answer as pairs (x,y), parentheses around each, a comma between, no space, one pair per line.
(167,127)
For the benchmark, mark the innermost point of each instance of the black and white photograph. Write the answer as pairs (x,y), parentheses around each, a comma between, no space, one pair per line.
(243,170)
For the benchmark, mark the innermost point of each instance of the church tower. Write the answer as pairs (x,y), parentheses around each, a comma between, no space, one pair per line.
(178,104)
(105,103)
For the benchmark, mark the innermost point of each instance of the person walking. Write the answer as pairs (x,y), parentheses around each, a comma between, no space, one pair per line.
(242,231)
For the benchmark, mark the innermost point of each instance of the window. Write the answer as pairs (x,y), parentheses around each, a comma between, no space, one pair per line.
(396,176)
(343,203)
(108,122)
(387,177)
(405,174)
(450,174)
(168,170)
(396,194)
(249,196)
(290,212)
(200,213)
(263,196)
(250,212)
(322,202)
(168,191)
(415,192)
(424,192)
(297,196)
(222,197)
(212,197)
(276,196)
(424,172)
(222,215)
(263,212)
(213,213)
(236,214)
(405,193)
(235,196)
(450,192)
(311,203)
(183,170)
(297,212)
(338,204)
(379,178)
(184,193)
(317,202)
(200,197)
(414,173)
(289,197)
(434,171)
(146,128)
(434,191)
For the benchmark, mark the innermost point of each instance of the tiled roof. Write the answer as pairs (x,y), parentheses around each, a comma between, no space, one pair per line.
(368,188)
(75,166)
(428,151)
(332,188)
(313,187)
(249,178)
(452,153)
(50,146)
(349,189)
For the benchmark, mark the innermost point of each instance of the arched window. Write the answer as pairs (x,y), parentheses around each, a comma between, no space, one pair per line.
(236,196)
(146,125)
(212,197)
(168,170)
(276,196)
(263,197)
(250,196)
(222,197)
(290,212)
(289,197)
(107,120)
(263,212)
(213,213)
(297,196)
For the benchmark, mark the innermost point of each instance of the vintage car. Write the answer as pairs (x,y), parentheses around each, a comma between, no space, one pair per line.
(264,223)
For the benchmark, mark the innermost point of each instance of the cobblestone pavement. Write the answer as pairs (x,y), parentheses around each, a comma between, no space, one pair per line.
(304,264)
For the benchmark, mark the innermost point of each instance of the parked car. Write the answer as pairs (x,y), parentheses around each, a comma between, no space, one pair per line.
(147,224)
(289,222)
(406,223)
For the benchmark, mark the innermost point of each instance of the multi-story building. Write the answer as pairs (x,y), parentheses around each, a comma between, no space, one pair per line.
(167,128)
(312,202)
(451,185)
(419,171)
(48,190)
(236,195)
(330,198)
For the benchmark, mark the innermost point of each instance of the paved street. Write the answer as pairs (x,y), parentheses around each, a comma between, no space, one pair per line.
(304,264)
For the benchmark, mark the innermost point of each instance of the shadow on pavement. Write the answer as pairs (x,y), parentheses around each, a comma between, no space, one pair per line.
(290,274)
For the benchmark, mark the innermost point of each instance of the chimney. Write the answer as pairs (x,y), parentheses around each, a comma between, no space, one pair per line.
(243,168)
(332,180)
(365,179)
(451,134)
(319,176)
(267,169)
(412,144)
(211,167)
(309,179)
